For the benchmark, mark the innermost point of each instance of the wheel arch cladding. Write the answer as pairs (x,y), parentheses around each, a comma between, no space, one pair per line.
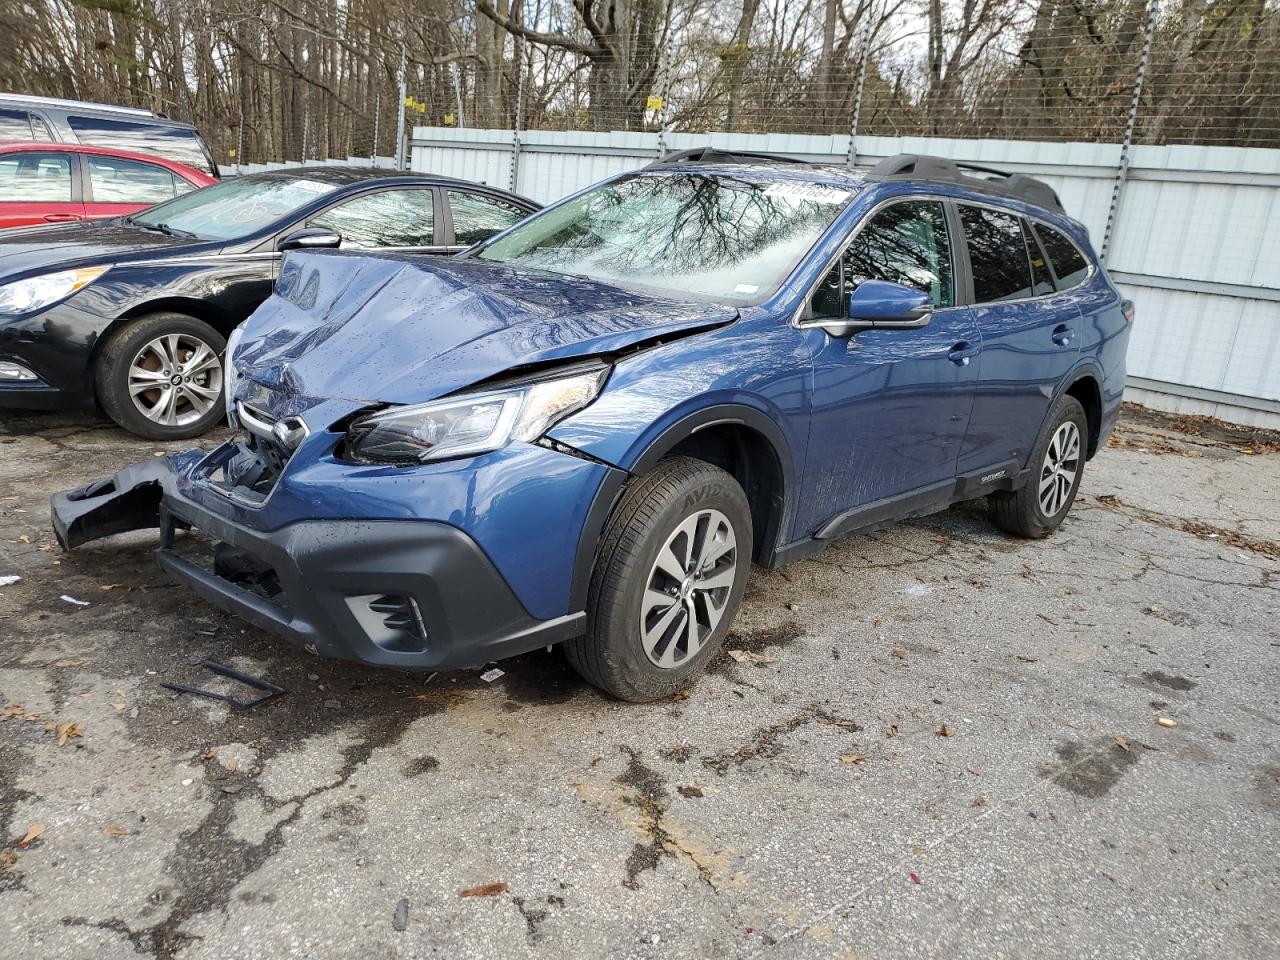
(1089,393)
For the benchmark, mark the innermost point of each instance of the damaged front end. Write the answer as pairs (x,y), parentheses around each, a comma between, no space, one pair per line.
(127,500)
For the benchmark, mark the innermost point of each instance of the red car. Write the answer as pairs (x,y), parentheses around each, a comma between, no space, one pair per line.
(57,182)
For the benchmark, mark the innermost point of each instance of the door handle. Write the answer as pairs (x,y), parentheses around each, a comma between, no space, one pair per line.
(61,217)
(1062,335)
(962,352)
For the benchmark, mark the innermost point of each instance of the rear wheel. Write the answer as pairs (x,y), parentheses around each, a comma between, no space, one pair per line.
(160,377)
(669,576)
(1040,506)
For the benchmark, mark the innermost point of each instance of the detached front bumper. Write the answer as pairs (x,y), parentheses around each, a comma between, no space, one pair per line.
(408,593)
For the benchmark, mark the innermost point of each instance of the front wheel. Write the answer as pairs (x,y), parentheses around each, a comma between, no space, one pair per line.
(160,377)
(1041,504)
(669,576)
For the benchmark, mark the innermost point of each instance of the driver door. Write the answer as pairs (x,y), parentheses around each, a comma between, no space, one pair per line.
(890,406)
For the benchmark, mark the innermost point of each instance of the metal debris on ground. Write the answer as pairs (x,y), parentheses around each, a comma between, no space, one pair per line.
(73,600)
(400,919)
(271,690)
(491,675)
(10,580)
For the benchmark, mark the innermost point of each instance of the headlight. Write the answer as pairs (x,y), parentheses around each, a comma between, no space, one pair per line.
(230,377)
(469,424)
(23,296)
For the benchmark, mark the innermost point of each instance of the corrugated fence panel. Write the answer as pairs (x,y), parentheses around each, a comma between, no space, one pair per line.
(1196,243)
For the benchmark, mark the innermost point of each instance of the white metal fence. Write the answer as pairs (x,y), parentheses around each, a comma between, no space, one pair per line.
(1195,242)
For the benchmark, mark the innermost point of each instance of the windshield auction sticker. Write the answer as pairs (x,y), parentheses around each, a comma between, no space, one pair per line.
(813,192)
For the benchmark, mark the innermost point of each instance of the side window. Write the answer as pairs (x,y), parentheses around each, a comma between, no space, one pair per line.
(172,143)
(15,126)
(1040,276)
(904,243)
(997,255)
(35,177)
(1071,268)
(39,129)
(391,218)
(477,217)
(128,181)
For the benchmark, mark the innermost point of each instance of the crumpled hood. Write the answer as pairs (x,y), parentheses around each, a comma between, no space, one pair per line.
(407,329)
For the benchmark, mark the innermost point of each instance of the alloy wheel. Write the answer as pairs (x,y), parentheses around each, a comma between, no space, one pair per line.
(175,379)
(1058,472)
(688,588)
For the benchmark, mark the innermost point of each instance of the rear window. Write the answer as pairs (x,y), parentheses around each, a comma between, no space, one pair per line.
(35,178)
(997,255)
(127,181)
(15,126)
(1067,261)
(173,143)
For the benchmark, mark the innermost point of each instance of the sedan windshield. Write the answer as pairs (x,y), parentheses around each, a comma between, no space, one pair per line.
(717,237)
(233,208)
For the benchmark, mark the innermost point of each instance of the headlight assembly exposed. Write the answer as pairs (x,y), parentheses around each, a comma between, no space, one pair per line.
(468,424)
(230,376)
(34,293)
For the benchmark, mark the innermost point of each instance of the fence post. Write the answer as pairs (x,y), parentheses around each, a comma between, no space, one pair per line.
(404,93)
(515,126)
(664,91)
(1122,169)
(863,55)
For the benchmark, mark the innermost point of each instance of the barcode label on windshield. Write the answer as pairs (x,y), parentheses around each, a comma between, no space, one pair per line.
(813,192)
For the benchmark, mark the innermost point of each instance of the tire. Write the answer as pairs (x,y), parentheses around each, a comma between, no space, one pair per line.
(147,346)
(681,498)
(1027,512)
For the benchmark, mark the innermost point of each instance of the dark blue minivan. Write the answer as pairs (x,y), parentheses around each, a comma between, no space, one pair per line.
(585,429)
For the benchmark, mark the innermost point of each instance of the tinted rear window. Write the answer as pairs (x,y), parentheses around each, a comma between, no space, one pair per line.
(15,126)
(173,143)
(1068,264)
(997,255)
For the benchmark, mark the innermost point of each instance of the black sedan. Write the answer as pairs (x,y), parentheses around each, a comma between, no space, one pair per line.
(134,312)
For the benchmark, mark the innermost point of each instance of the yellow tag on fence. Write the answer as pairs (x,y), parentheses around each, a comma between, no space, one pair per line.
(654,103)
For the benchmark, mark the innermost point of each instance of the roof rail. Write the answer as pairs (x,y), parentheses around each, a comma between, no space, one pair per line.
(1016,186)
(715,155)
(20,98)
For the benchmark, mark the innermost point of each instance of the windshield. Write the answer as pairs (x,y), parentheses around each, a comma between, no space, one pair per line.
(720,237)
(233,208)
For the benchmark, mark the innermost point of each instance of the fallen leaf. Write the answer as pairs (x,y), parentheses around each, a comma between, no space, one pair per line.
(33,831)
(111,830)
(1122,743)
(900,653)
(68,663)
(746,656)
(233,765)
(1166,722)
(893,730)
(682,695)
(917,850)
(484,890)
(946,730)
(852,758)
(24,539)
(67,731)
(691,792)
(979,801)
(104,587)
(118,706)
(1094,725)
(915,879)
(596,760)
(786,576)
(8,859)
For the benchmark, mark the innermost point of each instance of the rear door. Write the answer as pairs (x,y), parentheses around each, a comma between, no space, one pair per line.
(39,187)
(1030,337)
(890,406)
(117,186)
(475,217)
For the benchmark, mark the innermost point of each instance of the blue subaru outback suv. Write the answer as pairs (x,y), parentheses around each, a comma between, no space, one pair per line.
(585,430)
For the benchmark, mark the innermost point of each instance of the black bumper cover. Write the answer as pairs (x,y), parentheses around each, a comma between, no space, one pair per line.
(327,586)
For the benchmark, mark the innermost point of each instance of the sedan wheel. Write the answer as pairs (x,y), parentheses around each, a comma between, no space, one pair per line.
(161,376)
(175,380)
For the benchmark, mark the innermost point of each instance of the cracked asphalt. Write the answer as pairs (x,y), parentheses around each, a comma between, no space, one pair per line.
(934,741)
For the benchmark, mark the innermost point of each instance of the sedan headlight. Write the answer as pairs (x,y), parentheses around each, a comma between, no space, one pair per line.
(34,293)
(473,423)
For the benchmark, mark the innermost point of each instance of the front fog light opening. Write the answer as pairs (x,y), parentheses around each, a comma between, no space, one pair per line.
(13,371)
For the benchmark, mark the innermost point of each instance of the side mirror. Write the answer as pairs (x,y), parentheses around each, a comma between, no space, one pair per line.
(310,238)
(880,304)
